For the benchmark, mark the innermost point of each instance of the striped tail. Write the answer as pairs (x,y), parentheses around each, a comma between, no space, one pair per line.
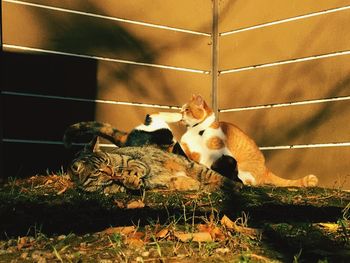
(93,128)
(306,181)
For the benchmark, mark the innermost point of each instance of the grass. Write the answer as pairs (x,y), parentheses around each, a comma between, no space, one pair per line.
(70,226)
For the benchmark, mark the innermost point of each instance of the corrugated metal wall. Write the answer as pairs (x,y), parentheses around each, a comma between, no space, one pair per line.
(115,61)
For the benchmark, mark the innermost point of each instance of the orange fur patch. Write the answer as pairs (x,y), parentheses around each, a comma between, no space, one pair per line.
(215,125)
(195,156)
(215,143)
(173,165)
(197,112)
(123,138)
(192,155)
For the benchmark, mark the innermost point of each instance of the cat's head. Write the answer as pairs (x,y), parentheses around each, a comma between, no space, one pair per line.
(91,169)
(195,111)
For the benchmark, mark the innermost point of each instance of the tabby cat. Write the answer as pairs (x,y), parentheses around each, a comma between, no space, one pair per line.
(206,140)
(148,167)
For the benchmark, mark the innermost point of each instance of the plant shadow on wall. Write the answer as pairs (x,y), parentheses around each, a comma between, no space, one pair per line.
(105,38)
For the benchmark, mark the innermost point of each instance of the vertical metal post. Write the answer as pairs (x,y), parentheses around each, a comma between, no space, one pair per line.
(214,57)
(2,176)
(1,44)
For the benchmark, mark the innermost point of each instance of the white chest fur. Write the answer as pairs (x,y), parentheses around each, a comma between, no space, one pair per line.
(196,139)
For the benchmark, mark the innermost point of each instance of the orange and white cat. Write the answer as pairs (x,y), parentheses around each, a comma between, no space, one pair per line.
(206,140)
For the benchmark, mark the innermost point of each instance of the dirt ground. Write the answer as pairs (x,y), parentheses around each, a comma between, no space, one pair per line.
(47,219)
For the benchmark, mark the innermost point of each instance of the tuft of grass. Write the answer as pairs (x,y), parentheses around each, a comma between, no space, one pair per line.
(35,230)
(296,257)
(57,254)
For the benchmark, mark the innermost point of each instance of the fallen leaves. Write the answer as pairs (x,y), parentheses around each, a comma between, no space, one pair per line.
(162,233)
(195,237)
(233,226)
(124,230)
(331,227)
(135,204)
(24,242)
(44,185)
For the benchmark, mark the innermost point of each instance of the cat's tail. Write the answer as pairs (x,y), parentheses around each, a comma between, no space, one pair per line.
(306,181)
(93,128)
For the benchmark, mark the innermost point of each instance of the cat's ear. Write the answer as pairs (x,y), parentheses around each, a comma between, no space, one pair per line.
(198,100)
(93,146)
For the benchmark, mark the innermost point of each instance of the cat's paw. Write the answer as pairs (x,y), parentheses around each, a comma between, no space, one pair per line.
(310,180)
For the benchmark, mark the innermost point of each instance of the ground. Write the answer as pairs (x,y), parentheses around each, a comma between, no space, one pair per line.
(48,219)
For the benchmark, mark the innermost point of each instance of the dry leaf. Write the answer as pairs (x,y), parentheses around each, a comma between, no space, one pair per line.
(125,230)
(135,204)
(213,230)
(62,191)
(134,242)
(138,235)
(49,181)
(192,196)
(222,250)
(24,242)
(196,237)
(329,226)
(228,223)
(162,233)
(119,204)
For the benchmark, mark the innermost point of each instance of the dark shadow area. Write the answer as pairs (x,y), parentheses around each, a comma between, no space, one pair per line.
(262,206)
(49,75)
(81,212)
(76,216)
(306,242)
(25,159)
(42,119)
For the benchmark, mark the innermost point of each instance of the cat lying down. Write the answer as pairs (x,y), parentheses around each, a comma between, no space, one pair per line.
(147,167)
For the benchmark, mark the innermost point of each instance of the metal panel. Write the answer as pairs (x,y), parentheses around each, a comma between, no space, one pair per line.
(318,123)
(308,37)
(324,78)
(53,30)
(178,14)
(244,13)
(148,85)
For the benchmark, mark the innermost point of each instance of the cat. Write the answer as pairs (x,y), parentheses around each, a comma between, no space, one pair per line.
(206,140)
(154,131)
(147,167)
